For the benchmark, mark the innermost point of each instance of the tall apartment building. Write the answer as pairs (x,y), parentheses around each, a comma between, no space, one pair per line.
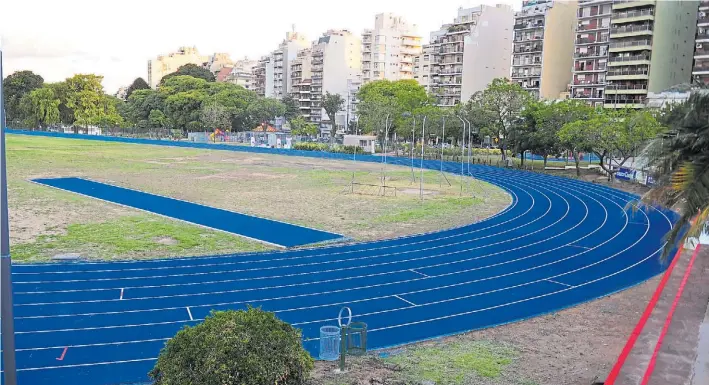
(240,74)
(591,51)
(262,80)
(216,62)
(700,72)
(651,49)
(336,63)
(301,80)
(271,75)
(543,46)
(423,66)
(167,64)
(463,57)
(388,50)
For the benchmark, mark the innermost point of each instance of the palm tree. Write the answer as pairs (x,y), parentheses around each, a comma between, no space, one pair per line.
(680,160)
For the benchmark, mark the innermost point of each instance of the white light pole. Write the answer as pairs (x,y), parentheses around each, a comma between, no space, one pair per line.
(423,146)
(462,154)
(6,317)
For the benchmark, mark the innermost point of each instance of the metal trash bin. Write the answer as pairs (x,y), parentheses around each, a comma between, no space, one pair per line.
(357,338)
(329,343)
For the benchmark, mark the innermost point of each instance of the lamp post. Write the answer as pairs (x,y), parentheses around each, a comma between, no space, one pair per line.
(6,317)
(423,146)
(462,154)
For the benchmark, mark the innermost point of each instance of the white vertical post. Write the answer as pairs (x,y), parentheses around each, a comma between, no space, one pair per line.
(423,146)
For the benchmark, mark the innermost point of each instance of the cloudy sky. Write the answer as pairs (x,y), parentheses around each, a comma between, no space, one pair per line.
(116,38)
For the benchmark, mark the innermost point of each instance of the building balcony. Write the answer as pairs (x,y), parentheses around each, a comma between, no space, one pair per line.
(534,63)
(631,30)
(626,46)
(628,60)
(590,40)
(592,54)
(700,68)
(588,82)
(597,68)
(703,21)
(628,74)
(633,16)
(627,89)
(704,5)
(527,49)
(529,25)
(589,27)
(411,43)
(523,75)
(702,37)
(519,38)
(701,53)
(625,4)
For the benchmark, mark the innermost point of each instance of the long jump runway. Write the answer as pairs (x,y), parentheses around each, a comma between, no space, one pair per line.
(561,242)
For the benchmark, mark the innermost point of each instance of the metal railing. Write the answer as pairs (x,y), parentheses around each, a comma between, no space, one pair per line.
(630,44)
(626,87)
(627,72)
(629,58)
(637,13)
(632,28)
(589,54)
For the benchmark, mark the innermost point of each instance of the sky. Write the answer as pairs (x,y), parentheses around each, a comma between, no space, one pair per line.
(115,39)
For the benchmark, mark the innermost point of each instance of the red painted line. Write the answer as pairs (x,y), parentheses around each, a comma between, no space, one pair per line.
(63,354)
(668,321)
(613,375)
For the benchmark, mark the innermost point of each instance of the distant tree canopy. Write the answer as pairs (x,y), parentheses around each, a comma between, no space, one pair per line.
(194,104)
(79,100)
(15,87)
(190,70)
(138,84)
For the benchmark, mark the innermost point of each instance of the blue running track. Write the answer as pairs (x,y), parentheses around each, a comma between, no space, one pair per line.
(265,230)
(560,243)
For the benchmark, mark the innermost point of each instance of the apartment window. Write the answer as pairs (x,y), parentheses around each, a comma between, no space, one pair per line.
(425,77)
(425,57)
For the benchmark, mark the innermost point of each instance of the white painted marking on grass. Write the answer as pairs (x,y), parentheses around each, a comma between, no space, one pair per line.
(409,302)
(189,313)
(558,283)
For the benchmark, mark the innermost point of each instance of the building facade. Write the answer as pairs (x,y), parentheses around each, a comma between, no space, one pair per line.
(465,56)
(271,76)
(241,73)
(651,49)
(218,61)
(542,57)
(301,81)
(167,64)
(335,65)
(591,51)
(700,71)
(388,50)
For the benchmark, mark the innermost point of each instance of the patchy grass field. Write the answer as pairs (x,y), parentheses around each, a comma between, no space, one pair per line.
(47,222)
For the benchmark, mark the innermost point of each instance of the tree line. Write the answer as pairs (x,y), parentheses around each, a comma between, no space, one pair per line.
(509,115)
(187,100)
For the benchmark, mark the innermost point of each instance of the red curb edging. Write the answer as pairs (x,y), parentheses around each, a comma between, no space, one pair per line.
(613,375)
(668,321)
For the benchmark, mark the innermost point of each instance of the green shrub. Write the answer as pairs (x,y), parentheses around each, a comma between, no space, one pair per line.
(246,347)
(310,146)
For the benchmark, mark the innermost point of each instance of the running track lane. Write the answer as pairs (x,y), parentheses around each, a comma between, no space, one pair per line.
(561,242)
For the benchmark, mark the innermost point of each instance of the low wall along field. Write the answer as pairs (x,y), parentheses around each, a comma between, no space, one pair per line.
(46,222)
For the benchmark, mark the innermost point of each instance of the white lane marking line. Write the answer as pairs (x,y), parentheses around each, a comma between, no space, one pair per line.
(638,223)
(190,313)
(621,251)
(512,205)
(558,283)
(409,302)
(121,294)
(418,272)
(495,175)
(352,267)
(581,247)
(90,364)
(446,274)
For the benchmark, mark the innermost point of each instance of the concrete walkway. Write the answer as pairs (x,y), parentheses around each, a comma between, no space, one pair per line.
(675,362)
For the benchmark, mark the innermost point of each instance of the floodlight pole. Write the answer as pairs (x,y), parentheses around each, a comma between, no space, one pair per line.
(423,146)
(413,145)
(462,154)
(6,317)
(386,139)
